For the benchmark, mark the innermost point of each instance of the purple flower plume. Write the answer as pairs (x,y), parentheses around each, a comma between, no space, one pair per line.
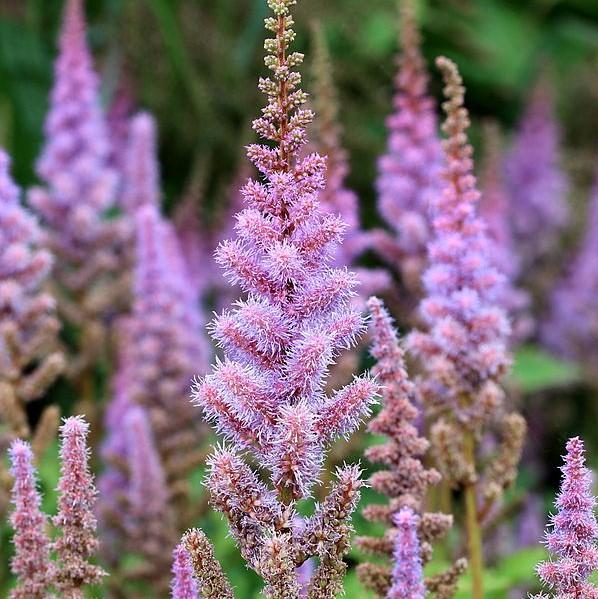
(572,327)
(75,519)
(31,562)
(464,349)
(536,183)
(409,172)
(573,538)
(79,184)
(407,575)
(266,394)
(183,583)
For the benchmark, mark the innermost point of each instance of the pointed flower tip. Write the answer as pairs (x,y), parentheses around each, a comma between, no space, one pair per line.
(74,425)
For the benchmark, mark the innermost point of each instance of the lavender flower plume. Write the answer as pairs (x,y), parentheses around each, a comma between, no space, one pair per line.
(267,394)
(336,197)
(183,583)
(464,350)
(29,362)
(141,177)
(79,184)
(573,537)
(405,480)
(536,183)
(409,172)
(31,562)
(407,574)
(75,519)
(495,209)
(572,326)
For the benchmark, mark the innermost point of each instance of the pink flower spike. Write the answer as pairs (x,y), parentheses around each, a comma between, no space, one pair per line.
(183,583)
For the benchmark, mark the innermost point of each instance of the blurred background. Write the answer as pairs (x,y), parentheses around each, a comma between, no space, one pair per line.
(195,64)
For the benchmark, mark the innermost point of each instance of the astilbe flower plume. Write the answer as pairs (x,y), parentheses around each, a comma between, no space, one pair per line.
(75,519)
(183,583)
(336,197)
(31,562)
(79,185)
(573,538)
(266,396)
(409,172)
(495,209)
(536,183)
(406,480)
(29,360)
(464,350)
(572,327)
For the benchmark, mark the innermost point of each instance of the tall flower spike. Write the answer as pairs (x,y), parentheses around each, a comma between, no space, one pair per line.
(536,183)
(572,327)
(75,518)
(141,178)
(183,583)
(267,394)
(406,480)
(409,172)
(495,209)
(464,350)
(573,538)
(407,574)
(29,362)
(79,184)
(336,198)
(31,562)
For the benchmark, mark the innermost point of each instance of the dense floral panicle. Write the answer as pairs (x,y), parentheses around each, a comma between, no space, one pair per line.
(141,177)
(409,172)
(572,327)
(405,480)
(267,394)
(28,323)
(183,584)
(31,562)
(495,209)
(536,183)
(75,519)
(336,198)
(79,184)
(407,575)
(464,349)
(573,537)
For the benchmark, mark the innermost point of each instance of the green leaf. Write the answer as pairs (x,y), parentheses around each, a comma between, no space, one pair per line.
(535,370)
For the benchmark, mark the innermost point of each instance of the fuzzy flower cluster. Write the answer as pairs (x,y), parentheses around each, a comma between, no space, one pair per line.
(161,347)
(79,184)
(464,350)
(572,328)
(495,209)
(29,362)
(409,172)
(405,480)
(266,395)
(573,538)
(76,542)
(536,184)
(336,197)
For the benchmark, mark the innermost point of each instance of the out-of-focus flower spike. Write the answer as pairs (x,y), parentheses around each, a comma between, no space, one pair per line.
(183,584)
(31,562)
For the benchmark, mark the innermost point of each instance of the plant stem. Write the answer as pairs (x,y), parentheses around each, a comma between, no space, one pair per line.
(474,537)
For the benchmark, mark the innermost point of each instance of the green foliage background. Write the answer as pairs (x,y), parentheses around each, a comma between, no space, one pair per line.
(195,63)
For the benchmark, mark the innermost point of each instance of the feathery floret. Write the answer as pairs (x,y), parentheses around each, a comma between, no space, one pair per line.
(75,518)
(464,350)
(573,538)
(409,172)
(31,562)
